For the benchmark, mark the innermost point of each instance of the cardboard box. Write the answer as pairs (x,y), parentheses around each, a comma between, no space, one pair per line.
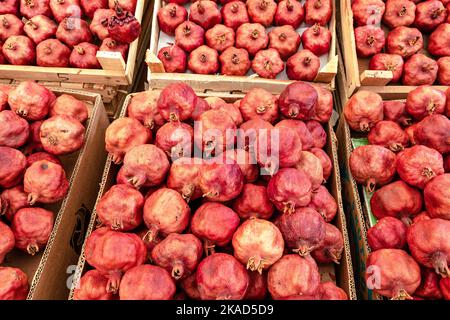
(49,270)
(341,274)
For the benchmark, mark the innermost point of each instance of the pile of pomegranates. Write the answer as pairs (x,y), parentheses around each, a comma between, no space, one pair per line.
(408,185)
(232,37)
(60,33)
(394,33)
(225,209)
(35,128)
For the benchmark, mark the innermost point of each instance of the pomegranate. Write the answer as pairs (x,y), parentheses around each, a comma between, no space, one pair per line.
(111,45)
(10,25)
(329,291)
(397,200)
(420,70)
(324,106)
(395,110)
(9,6)
(298,100)
(34,139)
(189,285)
(11,201)
(429,15)
(289,12)
(127,5)
(250,132)
(318,134)
(317,39)
(234,62)
(122,135)
(90,7)
(429,287)
(175,139)
(267,63)
(203,60)
(19,50)
(302,131)
(327,165)
(14,285)
(205,13)
(293,275)
(427,241)
(390,135)
(52,53)
(215,224)
(369,40)
(363,110)
(368,12)
(444,285)
(303,230)
(92,286)
(419,164)
(393,273)
(372,166)
(221,277)
(404,41)
(304,65)
(332,246)
(424,101)
(388,62)
(234,13)
(177,102)
(444,71)
(68,105)
(285,40)
(231,110)
(124,27)
(189,36)
(439,40)
(99,24)
(184,178)
(62,134)
(179,254)
(399,13)
(143,107)
(253,203)
(32,8)
(7,241)
(38,156)
(312,167)
(262,11)
(251,37)
(12,167)
(318,11)
(73,31)
(62,9)
(388,233)
(170,17)
(245,161)
(259,103)
(220,37)
(173,58)
(433,132)
(257,286)
(324,203)
(214,132)
(14,130)
(258,244)
(436,197)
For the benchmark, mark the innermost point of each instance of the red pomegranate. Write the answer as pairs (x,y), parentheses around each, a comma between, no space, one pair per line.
(304,65)
(99,23)
(429,287)
(9,6)
(19,50)
(31,100)
(110,45)
(429,15)
(388,62)
(245,161)
(52,53)
(399,13)
(317,39)
(10,25)
(368,12)
(189,36)
(84,56)
(327,165)
(177,102)
(220,37)
(73,31)
(7,241)
(369,40)
(253,203)
(392,273)
(285,40)
(251,37)
(318,134)
(38,156)
(257,286)
(234,62)
(170,17)
(298,101)
(324,203)
(312,167)
(14,130)
(249,133)
(234,14)
(179,254)
(62,134)
(444,71)
(122,135)
(146,282)
(363,110)
(293,275)
(289,12)
(262,11)
(123,27)
(330,291)
(302,131)
(420,70)
(436,196)
(232,110)
(395,110)
(175,139)
(318,11)
(68,105)
(62,9)
(429,245)
(425,100)
(184,178)
(372,166)
(324,106)
(332,246)
(419,164)
(434,132)
(40,28)
(143,107)
(215,224)
(12,167)
(388,233)
(12,200)
(14,285)
(389,135)
(205,13)
(203,60)
(258,244)
(267,63)
(92,286)
(404,41)
(439,40)
(304,230)
(221,277)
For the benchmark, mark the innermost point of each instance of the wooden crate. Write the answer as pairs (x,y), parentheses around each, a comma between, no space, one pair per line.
(357,73)
(116,74)
(158,78)
(341,274)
